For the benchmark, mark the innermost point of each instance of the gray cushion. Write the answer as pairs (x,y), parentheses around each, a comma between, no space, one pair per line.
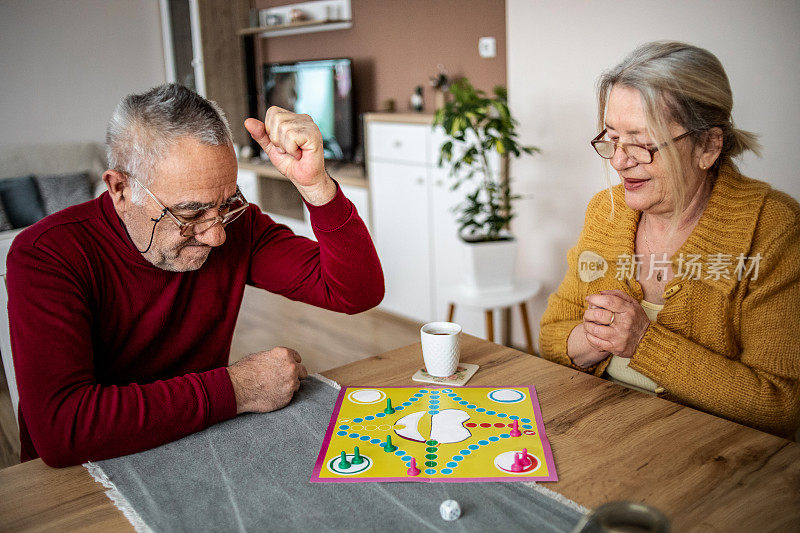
(59,191)
(44,159)
(21,200)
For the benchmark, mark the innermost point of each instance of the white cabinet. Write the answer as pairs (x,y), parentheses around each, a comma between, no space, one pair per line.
(360,198)
(399,199)
(447,260)
(401,143)
(413,225)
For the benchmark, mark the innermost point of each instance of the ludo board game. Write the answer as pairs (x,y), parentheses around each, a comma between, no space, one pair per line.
(435,435)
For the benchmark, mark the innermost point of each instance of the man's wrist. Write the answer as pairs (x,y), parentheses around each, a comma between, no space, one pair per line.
(319,194)
(238,389)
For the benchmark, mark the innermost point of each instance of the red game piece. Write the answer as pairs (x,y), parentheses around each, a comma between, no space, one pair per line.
(412,469)
(517,466)
(525,459)
(515,432)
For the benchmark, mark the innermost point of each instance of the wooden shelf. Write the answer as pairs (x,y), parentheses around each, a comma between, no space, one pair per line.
(345,173)
(306,26)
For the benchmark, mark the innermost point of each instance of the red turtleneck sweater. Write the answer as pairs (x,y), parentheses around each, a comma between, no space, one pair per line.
(115,356)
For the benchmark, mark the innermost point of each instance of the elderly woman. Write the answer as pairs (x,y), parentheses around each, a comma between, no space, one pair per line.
(685,281)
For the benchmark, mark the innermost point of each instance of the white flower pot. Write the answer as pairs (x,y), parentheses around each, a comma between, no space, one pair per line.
(490,265)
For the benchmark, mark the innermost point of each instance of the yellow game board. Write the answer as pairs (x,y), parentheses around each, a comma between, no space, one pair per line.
(449,434)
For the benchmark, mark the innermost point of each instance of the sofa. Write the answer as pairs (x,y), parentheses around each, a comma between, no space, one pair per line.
(37,180)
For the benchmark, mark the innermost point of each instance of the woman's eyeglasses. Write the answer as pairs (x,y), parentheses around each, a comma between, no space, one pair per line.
(639,153)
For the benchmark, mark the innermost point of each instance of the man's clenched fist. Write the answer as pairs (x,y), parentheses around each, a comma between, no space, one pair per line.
(266,381)
(294,145)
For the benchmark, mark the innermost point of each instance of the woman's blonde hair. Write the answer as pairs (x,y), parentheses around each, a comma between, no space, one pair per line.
(684,84)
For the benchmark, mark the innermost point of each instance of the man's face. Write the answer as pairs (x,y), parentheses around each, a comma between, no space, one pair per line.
(193,180)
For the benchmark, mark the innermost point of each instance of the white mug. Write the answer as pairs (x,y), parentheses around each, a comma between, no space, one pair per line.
(441,347)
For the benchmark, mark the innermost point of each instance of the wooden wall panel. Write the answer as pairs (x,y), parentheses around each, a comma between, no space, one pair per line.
(223,59)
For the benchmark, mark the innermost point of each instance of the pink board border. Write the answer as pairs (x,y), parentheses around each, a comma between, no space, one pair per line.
(548,453)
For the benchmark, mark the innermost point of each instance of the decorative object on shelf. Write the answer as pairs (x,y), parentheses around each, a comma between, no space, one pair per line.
(388,106)
(441,85)
(333,12)
(302,17)
(273,19)
(476,125)
(416,100)
(297,15)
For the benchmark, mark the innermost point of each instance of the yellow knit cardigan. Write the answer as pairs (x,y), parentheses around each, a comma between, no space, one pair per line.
(726,346)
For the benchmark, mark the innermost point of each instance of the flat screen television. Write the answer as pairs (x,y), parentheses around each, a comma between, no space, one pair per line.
(322,89)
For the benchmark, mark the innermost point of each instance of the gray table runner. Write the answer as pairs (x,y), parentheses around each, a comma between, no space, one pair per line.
(252,473)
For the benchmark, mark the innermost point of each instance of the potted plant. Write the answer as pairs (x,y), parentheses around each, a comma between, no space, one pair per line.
(477,126)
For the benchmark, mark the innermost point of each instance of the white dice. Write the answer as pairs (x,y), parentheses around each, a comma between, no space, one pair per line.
(450,510)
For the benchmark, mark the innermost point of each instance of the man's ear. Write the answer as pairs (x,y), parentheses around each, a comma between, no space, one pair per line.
(119,190)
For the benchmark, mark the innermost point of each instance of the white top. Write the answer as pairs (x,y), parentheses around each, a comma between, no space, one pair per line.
(499,297)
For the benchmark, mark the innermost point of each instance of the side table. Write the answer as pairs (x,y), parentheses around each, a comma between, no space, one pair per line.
(490,299)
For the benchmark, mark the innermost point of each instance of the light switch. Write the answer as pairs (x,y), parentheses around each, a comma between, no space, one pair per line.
(487,47)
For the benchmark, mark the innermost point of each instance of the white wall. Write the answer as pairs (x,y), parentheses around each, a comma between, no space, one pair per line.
(557,50)
(64,65)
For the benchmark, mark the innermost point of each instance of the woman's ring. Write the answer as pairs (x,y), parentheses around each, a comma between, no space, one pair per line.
(613,314)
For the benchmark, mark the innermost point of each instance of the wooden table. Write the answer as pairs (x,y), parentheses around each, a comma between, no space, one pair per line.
(609,442)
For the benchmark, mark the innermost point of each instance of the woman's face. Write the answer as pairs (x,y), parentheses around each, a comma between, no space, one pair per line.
(646,185)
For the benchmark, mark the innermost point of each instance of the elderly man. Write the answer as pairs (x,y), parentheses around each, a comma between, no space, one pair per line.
(122,309)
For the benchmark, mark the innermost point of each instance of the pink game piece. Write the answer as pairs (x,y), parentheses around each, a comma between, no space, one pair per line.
(525,459)
(412,469)
(517,466)
(515,432)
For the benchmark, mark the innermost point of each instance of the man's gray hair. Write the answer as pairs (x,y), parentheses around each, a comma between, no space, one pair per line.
(145,126)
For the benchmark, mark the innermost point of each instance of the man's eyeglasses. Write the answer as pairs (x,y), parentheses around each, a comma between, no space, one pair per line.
(639,153)
(230,211)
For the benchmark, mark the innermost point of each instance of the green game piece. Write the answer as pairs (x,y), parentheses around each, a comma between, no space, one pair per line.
(344,464)
(389,410)
(388,444)
(357,459)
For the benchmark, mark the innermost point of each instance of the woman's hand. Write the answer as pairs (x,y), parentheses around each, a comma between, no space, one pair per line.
(580,351)
(615,322)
